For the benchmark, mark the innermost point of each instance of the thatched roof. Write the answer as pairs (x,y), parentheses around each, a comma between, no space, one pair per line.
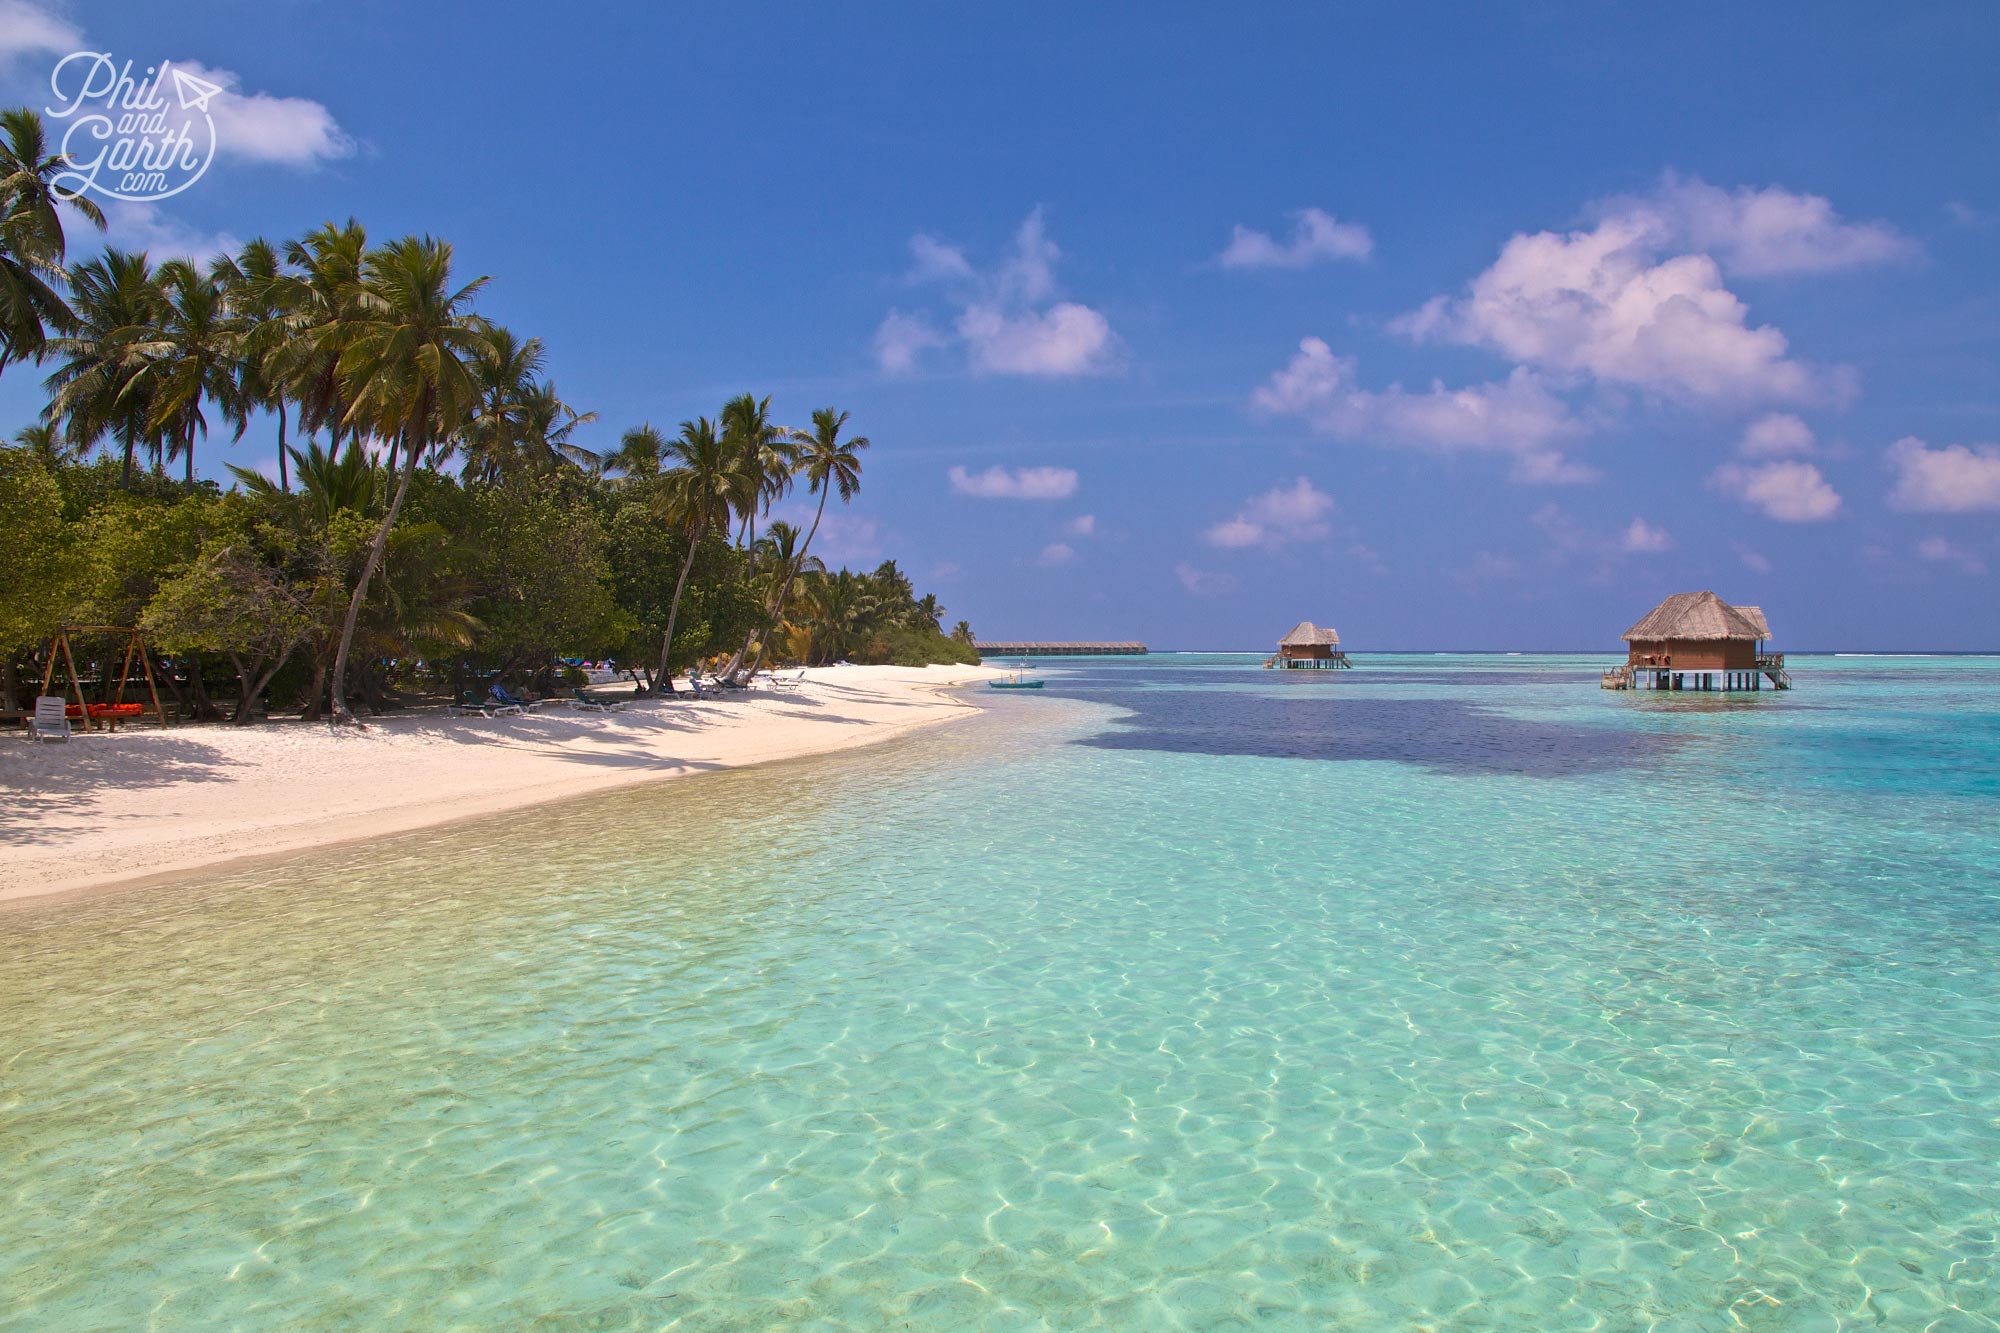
(1305,634)
(1696,616)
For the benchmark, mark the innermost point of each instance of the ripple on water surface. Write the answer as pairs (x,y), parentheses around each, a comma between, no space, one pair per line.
(1074,1015)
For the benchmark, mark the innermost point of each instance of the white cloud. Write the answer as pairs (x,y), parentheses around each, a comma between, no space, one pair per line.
(1517,417)
(28,30)
(1642,538)
(1083,525)
(256,127)
(1008,321)
(1753,560)
(1298,512)
(1776,434)
(293,131)
(932,260)
(1066,339)
(902,339)
(1203,583)
(1952,480)
(1056,553)
(1028,483)
(1790,492)
(1596,303)
(1315,236)
(1758,232)
(1939,550)
(136,226)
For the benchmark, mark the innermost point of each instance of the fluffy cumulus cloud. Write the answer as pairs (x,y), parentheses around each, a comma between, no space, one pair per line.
(902,339)
(258,127)
(1083,525)
(1203,582)
(1056,553)
(1758,232)
(1955,479)
(1298,512)
(1517,417)
(1941,551)
(1776,435)
(28,30)
(1008,321)
(1028,483)
(1642,538)
(136,226)
(1603,304)
(1316,236)
(1791,491)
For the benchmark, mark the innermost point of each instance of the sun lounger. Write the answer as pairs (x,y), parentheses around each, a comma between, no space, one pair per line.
(787,680)
(505,699)
(474,706)
(51,720)
(588,704)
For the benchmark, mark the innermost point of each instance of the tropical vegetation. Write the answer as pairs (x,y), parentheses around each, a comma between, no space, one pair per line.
(433,525)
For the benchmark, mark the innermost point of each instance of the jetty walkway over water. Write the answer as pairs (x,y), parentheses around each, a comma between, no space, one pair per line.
(1060,649)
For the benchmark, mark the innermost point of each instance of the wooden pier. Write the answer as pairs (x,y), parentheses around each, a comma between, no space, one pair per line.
(1060,649)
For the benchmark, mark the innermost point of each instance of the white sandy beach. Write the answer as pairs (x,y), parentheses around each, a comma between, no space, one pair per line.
(145,802)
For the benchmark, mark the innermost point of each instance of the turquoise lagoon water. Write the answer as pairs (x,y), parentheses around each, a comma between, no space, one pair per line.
(1446,993)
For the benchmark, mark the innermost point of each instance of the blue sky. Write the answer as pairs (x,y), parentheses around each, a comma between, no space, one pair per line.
(1451,326)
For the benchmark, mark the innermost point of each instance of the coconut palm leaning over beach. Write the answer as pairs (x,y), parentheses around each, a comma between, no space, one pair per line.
(408,363)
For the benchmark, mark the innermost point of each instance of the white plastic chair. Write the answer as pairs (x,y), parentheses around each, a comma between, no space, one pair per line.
(51,719)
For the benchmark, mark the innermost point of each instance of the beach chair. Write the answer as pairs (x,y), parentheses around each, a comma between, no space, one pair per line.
(787,680)
(505,701)
(590,705)
(51,719)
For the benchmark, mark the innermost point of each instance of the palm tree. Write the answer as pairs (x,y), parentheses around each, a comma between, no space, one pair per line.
(323,285)
(638,454)
(405,366)
(45,444)
(546,425)
(96,389)
(505,376)
(188,358)
(839,605)
(32,245)
(760,454)
(930,612)
(829,464)
(261,292)
(328,483)
(699,494)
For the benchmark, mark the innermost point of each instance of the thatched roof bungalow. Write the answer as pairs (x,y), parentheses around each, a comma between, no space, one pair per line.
(1307,645)
(1698,634)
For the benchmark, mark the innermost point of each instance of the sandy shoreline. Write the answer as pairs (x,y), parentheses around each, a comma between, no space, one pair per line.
(147,804)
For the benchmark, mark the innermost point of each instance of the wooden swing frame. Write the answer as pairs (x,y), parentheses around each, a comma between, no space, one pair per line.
(135,646)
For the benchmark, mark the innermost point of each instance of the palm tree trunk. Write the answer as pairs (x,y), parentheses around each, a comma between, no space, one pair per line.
(376,548)
(674,610)
(187,443)
(284,471)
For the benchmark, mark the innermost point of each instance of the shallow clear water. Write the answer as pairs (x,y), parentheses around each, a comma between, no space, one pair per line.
(1448,992)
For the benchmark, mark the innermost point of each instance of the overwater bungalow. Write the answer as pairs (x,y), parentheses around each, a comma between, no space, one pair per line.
(1309,646)
(1695,640)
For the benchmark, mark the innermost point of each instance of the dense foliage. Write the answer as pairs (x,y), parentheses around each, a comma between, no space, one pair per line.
(432,527)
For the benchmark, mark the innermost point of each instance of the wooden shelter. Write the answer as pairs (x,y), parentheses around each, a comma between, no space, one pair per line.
(1309,646)
(109,712)
(1696,640)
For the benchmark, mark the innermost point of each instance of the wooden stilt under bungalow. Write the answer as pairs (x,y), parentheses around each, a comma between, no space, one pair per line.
(1697,641)
(1309,646)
